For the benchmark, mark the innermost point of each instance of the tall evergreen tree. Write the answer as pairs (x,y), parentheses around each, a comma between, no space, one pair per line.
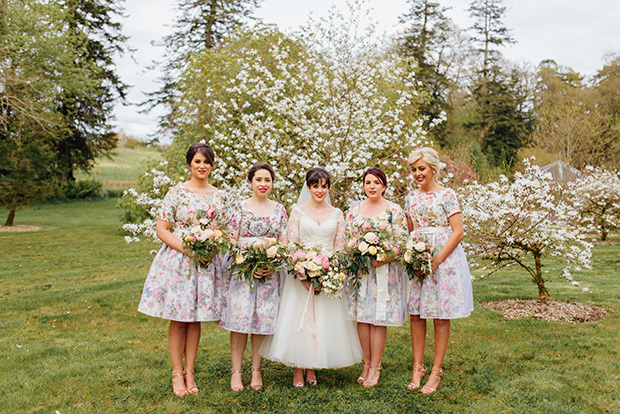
(201,25)
(489,31)
(501,113)
(423,40)
(97,40)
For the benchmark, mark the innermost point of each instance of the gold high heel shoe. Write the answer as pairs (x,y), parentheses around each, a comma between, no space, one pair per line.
(430,390)
(193,390)
(178,393)
(234,372)
(412,385)
(361,379)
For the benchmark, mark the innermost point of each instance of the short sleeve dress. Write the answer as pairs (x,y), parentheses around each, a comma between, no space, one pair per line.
(379,297)
(175,288)
(246,310)
(446,293)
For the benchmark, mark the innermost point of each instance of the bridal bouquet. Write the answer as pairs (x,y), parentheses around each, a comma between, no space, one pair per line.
(267,254)
(206,237)
(311,264)
(416,257)
(332,282)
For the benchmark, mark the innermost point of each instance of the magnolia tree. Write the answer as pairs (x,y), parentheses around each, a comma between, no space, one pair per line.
(597,199)
(522,222)
(327,96)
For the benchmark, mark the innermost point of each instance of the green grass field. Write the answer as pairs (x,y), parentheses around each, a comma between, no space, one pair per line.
(122,169)
(72,341)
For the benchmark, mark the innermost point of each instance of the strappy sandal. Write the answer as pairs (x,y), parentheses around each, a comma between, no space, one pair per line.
(312,382)
(233,372)
(301,383)
(178,393)
(194,389)
(430,390)
(373,378)
(361,379)
(412,385)
(257,386)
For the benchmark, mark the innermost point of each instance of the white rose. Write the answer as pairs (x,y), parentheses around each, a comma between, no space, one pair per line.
(370,237)
(408,257)
(311,255)
(420,246)
(272,251)
(363,247)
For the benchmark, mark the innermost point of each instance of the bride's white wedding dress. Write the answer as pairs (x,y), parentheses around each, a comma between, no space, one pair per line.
(310,334)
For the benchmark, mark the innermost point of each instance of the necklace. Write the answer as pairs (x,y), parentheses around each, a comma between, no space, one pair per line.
(318,212)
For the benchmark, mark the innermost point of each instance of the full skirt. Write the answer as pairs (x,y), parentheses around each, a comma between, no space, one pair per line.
(178,290)
(312,331)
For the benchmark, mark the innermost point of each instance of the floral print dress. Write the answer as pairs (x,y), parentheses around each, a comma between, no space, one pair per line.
(175,287)
(246,310)
(446,293)
(362,297)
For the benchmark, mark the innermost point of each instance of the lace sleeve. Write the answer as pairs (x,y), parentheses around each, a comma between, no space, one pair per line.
(292,230)
(339,240)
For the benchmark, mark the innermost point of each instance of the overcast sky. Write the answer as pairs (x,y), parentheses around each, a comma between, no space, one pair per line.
(574,33)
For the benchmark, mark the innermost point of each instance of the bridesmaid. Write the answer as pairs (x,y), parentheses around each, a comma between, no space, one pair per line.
(175,288)
(248,311)
(445,293)
(379,298)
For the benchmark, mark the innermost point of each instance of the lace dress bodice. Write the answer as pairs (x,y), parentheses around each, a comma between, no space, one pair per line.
(329,235)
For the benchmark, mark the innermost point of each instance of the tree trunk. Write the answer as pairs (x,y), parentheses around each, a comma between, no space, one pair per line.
(11,217)
(543,293)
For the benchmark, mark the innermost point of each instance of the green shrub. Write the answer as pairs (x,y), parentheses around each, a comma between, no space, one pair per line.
(81,190)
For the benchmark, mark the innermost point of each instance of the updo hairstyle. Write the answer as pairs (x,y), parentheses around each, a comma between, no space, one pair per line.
(315,175)
(261,166)
(377,172)
(202,148)
(429,156)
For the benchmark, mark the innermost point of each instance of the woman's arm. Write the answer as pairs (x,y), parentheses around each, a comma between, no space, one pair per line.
(164,234)
(456,224)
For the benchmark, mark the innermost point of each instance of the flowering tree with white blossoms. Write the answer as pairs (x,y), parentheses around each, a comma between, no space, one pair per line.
(522,221)
(327,96)
(597,198)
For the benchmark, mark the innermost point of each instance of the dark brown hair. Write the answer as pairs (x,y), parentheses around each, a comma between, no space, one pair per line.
(202,148)
(377,172)
(261,166)
(315,175)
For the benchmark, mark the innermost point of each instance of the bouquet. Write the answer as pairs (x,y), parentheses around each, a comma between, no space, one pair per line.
(332,282)
(205,239)
(417,257)
(366,245)
(312,265)
(267,253)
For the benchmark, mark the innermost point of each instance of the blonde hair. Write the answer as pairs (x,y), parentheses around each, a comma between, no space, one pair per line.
(428,155)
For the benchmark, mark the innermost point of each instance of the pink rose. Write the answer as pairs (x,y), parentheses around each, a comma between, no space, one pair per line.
(324,261)
(396,250)
(299,255)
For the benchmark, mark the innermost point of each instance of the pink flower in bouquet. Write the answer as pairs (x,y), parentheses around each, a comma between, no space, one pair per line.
(299,255)
(396,250)
(300,270)
(324,261)
(210,213)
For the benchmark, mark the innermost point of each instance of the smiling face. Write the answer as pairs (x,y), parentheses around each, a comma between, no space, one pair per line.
(261,183)
(199,167)
(423,174)
(319,191)
(373,187)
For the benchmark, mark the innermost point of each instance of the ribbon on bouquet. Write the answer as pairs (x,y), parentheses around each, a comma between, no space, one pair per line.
(382,292)
(308,321)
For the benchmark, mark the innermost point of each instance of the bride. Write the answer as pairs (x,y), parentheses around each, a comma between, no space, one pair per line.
(313,331)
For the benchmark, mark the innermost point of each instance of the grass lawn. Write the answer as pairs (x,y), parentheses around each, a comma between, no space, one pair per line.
(123,168)
(72,341)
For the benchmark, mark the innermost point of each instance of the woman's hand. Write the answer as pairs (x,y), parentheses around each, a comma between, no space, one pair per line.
(262,272)
(434,265)
(377,263)
(306,284)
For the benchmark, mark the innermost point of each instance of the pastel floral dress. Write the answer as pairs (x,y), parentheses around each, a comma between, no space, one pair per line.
(446,293)
(246,310)
(364,297)
(175,287)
